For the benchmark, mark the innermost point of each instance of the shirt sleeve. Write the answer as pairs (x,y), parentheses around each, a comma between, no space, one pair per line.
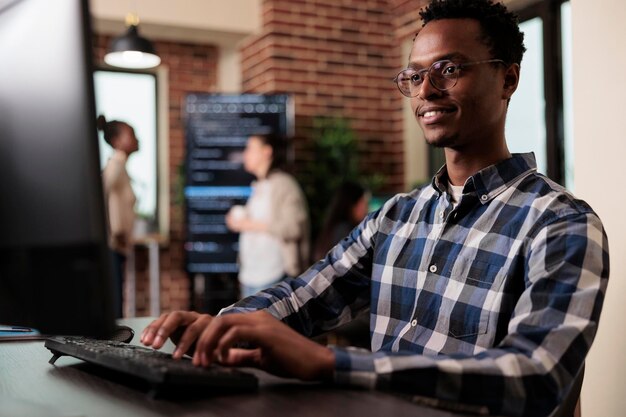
(330,293)
(549,334)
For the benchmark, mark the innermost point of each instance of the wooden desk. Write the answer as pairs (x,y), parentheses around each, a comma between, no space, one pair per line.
(74,388)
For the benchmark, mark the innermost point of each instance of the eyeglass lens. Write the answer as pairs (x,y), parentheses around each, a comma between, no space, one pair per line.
(442,74)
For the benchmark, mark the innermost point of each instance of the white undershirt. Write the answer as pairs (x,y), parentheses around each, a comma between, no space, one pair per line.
(456,192)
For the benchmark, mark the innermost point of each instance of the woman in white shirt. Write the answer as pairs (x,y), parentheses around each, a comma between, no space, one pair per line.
(274,224)
(119,197)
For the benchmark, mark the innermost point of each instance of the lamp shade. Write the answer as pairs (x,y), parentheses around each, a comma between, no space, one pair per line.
(130,50)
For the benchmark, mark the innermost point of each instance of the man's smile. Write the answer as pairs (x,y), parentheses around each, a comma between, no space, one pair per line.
(433,114)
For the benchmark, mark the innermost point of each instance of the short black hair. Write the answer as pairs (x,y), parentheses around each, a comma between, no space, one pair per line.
(500,27)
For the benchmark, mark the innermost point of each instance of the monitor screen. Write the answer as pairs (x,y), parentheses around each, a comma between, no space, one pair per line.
(54,261)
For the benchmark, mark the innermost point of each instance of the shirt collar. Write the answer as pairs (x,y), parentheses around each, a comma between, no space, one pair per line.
(489,182)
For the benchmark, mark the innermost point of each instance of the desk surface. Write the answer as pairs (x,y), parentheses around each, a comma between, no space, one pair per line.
(74,388)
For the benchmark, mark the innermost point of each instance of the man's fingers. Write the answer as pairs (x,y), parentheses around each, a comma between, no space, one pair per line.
(207,343)
(190,335)
(235,334)
(172,322)
(157,333)
(242,357)
(148,334)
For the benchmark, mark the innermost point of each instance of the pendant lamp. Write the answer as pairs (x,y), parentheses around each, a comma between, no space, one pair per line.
(130,50)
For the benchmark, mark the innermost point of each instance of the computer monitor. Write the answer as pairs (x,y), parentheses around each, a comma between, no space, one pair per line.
(54,261)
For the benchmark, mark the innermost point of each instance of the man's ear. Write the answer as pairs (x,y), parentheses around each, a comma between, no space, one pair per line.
(511,81)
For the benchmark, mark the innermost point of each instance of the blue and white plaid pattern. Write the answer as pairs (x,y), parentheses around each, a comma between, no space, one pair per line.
(494,302)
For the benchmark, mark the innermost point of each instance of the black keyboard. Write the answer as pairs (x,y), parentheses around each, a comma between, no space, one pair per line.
(158,369)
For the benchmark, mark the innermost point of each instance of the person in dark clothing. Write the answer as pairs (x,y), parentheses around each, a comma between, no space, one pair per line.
(347,208)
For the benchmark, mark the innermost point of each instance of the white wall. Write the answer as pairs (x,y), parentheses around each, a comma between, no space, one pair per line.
(600,152)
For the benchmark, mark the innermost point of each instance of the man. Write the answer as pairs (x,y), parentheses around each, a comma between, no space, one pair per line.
(484,287)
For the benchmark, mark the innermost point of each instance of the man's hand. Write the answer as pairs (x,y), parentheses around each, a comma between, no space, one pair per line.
(279,349)
(183,327)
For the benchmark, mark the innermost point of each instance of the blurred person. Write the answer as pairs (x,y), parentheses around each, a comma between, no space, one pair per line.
(347,208)
(119,198)
(274,224)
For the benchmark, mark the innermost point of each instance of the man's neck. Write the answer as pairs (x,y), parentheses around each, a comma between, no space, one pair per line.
(461,165)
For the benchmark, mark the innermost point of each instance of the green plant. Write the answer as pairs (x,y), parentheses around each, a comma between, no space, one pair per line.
(335,152)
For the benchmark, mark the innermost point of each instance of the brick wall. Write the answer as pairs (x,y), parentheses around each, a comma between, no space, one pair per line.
(407,21)
(337,59)
(191,67)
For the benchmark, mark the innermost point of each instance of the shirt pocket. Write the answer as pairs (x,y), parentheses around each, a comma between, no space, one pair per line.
(473,287)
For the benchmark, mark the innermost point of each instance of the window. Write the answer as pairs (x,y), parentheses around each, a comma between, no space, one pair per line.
(568,87)
(525,122)
(132,97)
(539,118)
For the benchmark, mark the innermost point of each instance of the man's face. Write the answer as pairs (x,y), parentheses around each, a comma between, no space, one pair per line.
(471,113)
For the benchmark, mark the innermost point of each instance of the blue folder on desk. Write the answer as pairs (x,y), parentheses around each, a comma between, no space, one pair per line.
(10,333)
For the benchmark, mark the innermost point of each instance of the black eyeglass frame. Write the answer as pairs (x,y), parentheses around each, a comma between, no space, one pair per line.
(421,73)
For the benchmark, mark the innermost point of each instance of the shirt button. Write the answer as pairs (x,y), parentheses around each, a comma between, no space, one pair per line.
(484,197)
(433,268)
(414,323)
(441,214)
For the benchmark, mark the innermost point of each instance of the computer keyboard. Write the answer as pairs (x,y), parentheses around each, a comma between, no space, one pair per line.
(158,369)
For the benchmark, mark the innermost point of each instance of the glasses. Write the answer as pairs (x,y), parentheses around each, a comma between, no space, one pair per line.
(442,75)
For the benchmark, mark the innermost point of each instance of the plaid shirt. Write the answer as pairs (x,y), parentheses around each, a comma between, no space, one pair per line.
(494,302)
